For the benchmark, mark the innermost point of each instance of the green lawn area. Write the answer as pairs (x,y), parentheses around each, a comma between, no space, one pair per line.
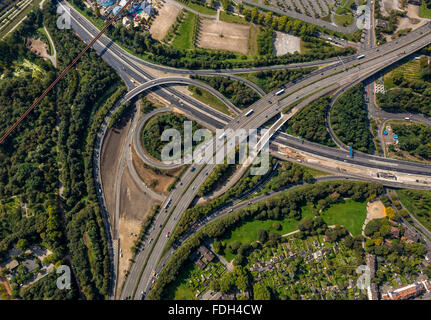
(51,49)
(209,99)
(421,209)
(343,20)
(192,280)
(247,232)
(232,18)
(201,9)
(350,214)
(18,18)
(344,7)
(424,12)
(179,289)
(184,38)
(316,173)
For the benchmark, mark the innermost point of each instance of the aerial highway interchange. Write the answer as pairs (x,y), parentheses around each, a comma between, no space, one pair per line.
(271,111)
(344,73)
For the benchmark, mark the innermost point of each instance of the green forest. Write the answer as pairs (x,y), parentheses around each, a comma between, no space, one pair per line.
(350,122)
(401,256)
(237,92)
(310,123)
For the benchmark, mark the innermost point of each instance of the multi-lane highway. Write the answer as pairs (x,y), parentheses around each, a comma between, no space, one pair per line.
(348,72)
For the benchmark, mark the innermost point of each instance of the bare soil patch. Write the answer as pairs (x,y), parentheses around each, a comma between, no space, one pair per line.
(155,181)
(220,35)
(163,22)
(375,210)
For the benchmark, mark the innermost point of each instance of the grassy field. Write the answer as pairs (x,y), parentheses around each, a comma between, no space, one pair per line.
(414,206)
(424,12)
(184,38)
(410,70)
(327,18)
(209,99)
(316,173)
(350,214)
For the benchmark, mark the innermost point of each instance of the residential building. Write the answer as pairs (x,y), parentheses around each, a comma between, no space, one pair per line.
(407,292)
(206,253)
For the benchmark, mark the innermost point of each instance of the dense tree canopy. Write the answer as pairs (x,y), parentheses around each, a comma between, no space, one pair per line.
(237,92)
(310,123)
(415,139)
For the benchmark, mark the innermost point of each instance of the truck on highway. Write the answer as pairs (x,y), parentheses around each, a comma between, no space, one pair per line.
(385,175)
(249,112)
(279,92)
(360,57)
